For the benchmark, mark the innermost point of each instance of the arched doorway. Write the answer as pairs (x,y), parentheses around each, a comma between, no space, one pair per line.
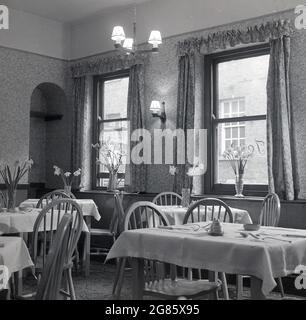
(49,135)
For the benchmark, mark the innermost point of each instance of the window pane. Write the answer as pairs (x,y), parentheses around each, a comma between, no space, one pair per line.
(235,133)
(243,82)
(227,133)
(115,98)
(115,133)
(242,132)
(256,168)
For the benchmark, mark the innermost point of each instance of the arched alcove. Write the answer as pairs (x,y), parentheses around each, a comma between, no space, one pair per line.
(49,135)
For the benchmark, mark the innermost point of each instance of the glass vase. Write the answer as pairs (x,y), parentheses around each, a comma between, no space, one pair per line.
(112,182)
(239,186)
(67,189)
(11,200)
(186,197)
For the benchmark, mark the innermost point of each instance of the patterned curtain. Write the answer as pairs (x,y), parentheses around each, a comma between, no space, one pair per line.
(230,38)
(282,159)
(185,114)
(135,179)
(79,101)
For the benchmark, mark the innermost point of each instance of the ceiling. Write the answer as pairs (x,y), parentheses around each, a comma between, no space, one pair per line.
(67,10)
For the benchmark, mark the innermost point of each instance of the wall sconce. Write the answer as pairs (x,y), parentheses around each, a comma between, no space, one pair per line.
(158,110)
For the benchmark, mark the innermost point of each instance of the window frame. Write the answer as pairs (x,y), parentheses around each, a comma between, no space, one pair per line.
(98,92)
(211,121)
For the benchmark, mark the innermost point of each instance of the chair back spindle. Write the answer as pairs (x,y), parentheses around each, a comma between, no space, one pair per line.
(168,199)
(207,210)
(47,223)
(270,211)
(51,279)
(54,195)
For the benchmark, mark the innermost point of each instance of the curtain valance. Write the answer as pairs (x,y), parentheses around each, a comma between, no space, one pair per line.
(105,65)
(231,38)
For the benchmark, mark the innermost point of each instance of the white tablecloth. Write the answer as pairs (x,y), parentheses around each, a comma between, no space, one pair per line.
(265,259)
(14,256)
(23,221)
(88,206)
(176,214)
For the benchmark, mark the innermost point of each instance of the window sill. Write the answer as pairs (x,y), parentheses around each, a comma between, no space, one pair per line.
(229,197)
(105,192)
(246,198)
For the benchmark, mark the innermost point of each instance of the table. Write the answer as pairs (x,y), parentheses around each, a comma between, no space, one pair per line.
(264,259)
(89,209)
(14,255)
(23,221)
(176,214)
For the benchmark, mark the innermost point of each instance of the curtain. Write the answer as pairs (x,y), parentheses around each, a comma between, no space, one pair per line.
(135,179)
(185,115)
(222,40)
(282,159)
(79,101)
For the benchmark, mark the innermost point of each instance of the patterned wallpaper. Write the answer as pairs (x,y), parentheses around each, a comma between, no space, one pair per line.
(22,72)
(161,76)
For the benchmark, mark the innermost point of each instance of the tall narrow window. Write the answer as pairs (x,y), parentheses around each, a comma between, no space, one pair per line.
(237,109)
(111,94)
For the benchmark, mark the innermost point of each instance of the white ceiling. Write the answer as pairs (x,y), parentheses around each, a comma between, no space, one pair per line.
(67,10)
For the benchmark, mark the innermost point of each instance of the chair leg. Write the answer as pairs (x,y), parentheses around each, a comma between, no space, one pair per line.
(224,286)
(120,279)
(70,285)
(281,287)
(118,268)
(239,287)
(216,295)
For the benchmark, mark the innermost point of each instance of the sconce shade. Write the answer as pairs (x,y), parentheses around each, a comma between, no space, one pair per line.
(155,38)
(155,107)
(118,34)
(128,43)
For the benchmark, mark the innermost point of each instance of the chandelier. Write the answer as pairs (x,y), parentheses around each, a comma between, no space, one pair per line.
(129,45)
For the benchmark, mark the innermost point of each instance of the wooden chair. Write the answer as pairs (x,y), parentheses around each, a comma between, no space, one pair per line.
(207,210)
(199,211)
(270,211)
(115,227)
(167,199)
(49,287)
(44,232)
(53,195)
(161,279)
(269,217)
(69,193)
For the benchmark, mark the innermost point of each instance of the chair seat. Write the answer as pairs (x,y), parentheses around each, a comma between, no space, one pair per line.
(101,232)
(181,288)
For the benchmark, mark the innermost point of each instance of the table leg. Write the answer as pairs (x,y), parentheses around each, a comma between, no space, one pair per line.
(256,293)
(18,276)
(137,278)
(86,255)
(18,283)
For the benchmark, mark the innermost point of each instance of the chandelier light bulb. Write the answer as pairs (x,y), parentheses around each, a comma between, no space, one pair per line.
(155,38)
(128,43)
(118,34)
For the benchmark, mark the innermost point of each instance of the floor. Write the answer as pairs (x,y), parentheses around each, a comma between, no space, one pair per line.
(99,285)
